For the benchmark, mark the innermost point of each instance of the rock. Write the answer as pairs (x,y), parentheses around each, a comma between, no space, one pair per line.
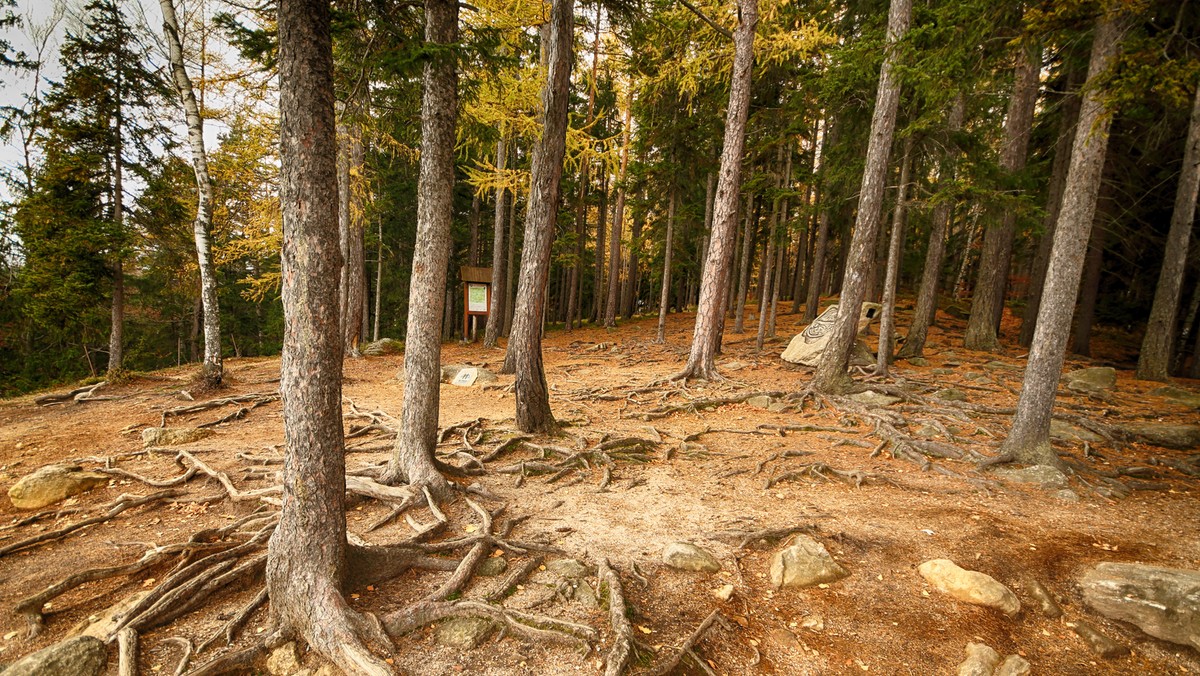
(79,656)
(813,623)
(1098,642)
(807,346)
(1163,602)
(970,586)
(918,361)
(804,563)
(1014,665)
(173,436)
(1045,476)
(567,568)
(492,567)
(585,595)
(687,556)
(927,431)
(942,372)
(760,401)
(1068,432)
(464,633)
(1046,602)
(958,311)
(951,394)
(724,592)
(874,399)
(52,483)
(1095,379)
(466,376)
(1167,435)
(382,347)
(532,596)
(101,626)
(777,407)
(1066,495)
(1178,395)
(284,660)
(981,661)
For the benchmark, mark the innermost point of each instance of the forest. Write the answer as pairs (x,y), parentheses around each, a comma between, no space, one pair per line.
(975,219)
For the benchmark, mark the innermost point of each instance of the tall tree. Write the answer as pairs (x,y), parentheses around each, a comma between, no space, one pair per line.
(831,375)
(706,337)
(412,460)
(614,242)
(665,296)
(887,319)
(306,557)
(213,369)
(1029,440)
(496,309)
(1155,357)
(524,356)
(987,303)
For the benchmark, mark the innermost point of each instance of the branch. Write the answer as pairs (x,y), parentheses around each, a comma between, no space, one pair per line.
(711,24)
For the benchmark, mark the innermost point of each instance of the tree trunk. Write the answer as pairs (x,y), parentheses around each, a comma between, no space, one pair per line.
(475,218)
(354,276)
(525,346)
(598,282)
(769,256)
(1155,357)
(831,373)
(887,320)
(664,300)
(816,277)
(706,337)
(614,243)
(927,296)
(1089,288)
(987,303)
(710,185)
(378,282)
(116,335)
(306,561)
(495,321)
(629,294)
(510,271)
(412,459)
(748,246)
(1029,440)
(213,369)
(1058,180)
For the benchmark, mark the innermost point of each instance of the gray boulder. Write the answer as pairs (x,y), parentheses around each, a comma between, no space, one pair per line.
(79,656)
(464,633)
(382,347)
(1178,395)
(464,375)
(1065,431)
(567,568)
(951,394)
(804,563)
(1167,435)
(874,399)
(759,401)
(1014,665)
(807,346)
(173,436)
(687,556)
(1095,379)
(1045,476)
(52,483)
(981,660)
(1163,602)
(970,586)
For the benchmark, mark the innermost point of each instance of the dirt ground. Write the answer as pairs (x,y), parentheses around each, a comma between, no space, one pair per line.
(883,618)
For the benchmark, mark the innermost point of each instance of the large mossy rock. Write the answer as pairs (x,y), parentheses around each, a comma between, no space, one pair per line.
(1168,435)
(1089,380)
(52,483)
(79,656)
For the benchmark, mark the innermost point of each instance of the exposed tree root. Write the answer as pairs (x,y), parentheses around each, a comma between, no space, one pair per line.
(127,652)
(820,470)
(697,405)
(687,648)
(223,478)
(231,628)
(237,662)
(744,538)
(522,625)
(122,503)
(515,577)
(622,648)
(257,399)
(79,395)
(185,653)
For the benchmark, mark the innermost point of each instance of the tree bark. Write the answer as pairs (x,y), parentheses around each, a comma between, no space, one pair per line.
(1155,357)
(816,277)
(350,223)
(987,303)
(706,337)
(495,321)
(378,282)
(1029,440)
(1089,287)
(213,369)
(749,244)
(887,320)
(598,283)
(510,265)
(306,562)
(664,299)
(831,373)
(412,459)
(474,220)
(614,242)
(914,342)
(525,346)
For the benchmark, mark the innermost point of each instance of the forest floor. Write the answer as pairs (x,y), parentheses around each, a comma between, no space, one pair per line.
(703,480)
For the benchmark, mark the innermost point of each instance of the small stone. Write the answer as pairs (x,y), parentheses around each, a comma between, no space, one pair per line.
(1098,642)
(284,660)
(804,562)
(567,568)
(927,431)
(585,595)
(1066,495)
(951,394)
(724,592)
(1046,602)
(52,483)
(173,436)
(777,407)
(464,633)
(1046,476)
(813,623)
(981,661)
(943,372)
(1095,379)
(874,399)
(760,401)
(970,586)
(1163,602)
(918,361)
(687,556)
(79,656)
(492,567)
(1014,665)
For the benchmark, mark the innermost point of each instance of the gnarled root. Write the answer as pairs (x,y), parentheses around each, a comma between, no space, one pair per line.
(622,649)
